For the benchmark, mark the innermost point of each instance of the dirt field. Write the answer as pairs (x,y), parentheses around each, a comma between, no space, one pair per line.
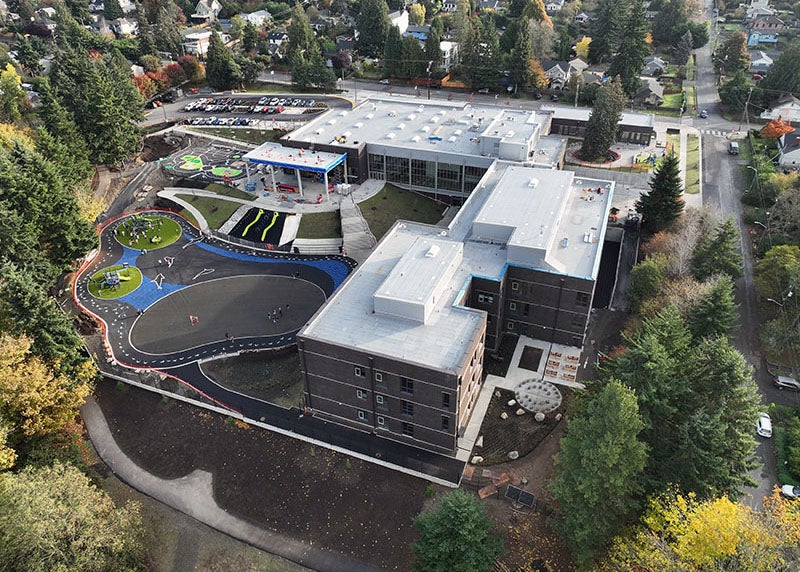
(312,494)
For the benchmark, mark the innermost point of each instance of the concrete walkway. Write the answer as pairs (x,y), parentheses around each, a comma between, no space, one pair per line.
(193,495)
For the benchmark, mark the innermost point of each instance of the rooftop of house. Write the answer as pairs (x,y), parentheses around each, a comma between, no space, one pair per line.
(582,114)
(406,300)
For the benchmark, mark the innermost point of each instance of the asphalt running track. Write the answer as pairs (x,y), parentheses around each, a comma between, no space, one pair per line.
(151,319)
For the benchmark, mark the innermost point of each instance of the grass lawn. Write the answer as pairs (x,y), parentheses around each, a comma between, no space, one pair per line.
(162,232)
(693,164)
(215,211)
(246,134)
(320,225)
(672,101)
(227,191)
(674,143)
(393,203)
(130,279)
(691,98)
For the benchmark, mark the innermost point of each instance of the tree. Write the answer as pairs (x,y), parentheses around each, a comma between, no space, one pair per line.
(646,280)
(737,90)
(597,467)
(175,74)
(392,53)
(237,27)
(582,47)
(53,518)
(520,58)
(605,29)
(27,56)
(778,272)
(416,14)
(308,67)
(684,532)
(372,23)
(663,204)
(714,313)
(167,28)
(775,129)
(719,253)
(433,51)
(456,536)
(601,130)
(732,55)
(543,39)
(144,33)
(33,398)
(633,49)
(112,10)
(671,18)
(682,52)
(222,71)
(784,75)
(193,69)
(534,10)
(249,37)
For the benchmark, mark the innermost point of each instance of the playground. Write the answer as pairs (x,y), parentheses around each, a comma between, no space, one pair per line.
(211,162)
(199,297)
(147,232)
(260,225)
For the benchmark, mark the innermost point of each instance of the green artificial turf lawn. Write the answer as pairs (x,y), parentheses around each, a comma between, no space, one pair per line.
(157,236)
(130,280)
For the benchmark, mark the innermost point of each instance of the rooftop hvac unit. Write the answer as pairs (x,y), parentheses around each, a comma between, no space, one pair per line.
(452,139)
(358,125)
(390,136)
(369,115)
(425,128)
(411,117)
(392,114)
(415,138)
(434,120)
(401,126)
(533,182)
(342,113)
(432,251)
(457,132)
(332,122)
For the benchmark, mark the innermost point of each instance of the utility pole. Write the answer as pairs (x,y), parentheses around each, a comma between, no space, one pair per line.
(746,113)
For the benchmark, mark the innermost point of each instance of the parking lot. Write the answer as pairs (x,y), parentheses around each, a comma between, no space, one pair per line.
(237,111)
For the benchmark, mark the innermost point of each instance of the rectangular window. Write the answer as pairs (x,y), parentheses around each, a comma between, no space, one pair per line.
(408,408)
(379,399)
(525,309)
(381,421)
(512,306)
(582,299)
(378,377)
(578,321)
(514,285)
(408,429)
(510,325)
(361,394)
(445,400)
(358,371)
(445,423)
(362,415)
(485,298)
(406,386)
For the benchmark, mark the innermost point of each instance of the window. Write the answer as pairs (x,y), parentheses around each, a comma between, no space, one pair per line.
(408,408)
(378,377)
(379,399)
(578,321)
(358,371)
(525,309)
(445,400)
(406,385)
(510,325)
(485,298)
(362,415)
(408,429)
(582,299)
(512,306)
(361,394)
(445,423)
(514,285)
(381,421)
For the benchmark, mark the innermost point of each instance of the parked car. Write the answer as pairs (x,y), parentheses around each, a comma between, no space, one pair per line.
(757,77)
(384,82)
(786,382)
(554,97)
(764,425)
(790,491)
(703,114)
(483,90)
(537,96)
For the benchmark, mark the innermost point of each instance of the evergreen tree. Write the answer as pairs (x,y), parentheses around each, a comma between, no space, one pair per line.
(670,19)
(412,62)
(392,53)
(597,469)
(167,29)
(487,62)
(633,49)
(11,94)
(249,37)
(520,58)
(732,56)
(308,67)
(737,89)
(456,536)
(222,71)
(682,52)
(605,29)
(27,56)
(663,204)
(646,281)
(719,253)
(534,10)
(112,10)
(714,313)
(433,52)
(601,130)
(301,38)
(147,43)
(564,43)
(79,10)
(372,23)
(784,75)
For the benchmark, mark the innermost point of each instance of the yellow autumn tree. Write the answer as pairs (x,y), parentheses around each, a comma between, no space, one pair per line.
(681,533)
(582,47)
(33,399)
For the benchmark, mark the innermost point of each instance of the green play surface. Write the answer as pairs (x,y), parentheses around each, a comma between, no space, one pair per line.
(147,232)
(130,279)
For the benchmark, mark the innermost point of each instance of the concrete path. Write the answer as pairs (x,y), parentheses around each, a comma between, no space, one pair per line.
(358,238)
(194,495)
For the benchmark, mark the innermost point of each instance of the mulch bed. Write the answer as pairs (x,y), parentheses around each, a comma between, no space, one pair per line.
(312,494)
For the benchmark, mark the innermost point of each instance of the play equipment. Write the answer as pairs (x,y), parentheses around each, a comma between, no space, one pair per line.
(255,220)
(111,279)
(269,226)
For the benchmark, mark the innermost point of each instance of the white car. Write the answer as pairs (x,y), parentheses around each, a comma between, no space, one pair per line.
(384,82)
(790,491)
(786,382)
(764,425)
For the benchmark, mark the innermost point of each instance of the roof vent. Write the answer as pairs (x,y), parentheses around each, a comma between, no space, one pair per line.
(432,251)
(415,138)
(369,115)
(401,126)
(533,182)
(411,117)
(358,125)
(452,139)
(332,122)
(390,136)
(564,242)
(425,129)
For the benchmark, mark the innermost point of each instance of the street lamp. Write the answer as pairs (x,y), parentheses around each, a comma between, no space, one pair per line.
(429,72)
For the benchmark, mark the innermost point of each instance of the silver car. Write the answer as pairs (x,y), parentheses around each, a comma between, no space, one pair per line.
(786,382)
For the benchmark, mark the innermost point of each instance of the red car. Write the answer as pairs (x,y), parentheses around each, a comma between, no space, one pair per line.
(757,77)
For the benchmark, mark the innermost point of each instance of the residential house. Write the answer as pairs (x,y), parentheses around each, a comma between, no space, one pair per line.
(419,32)
(557,72)
(196,41)
(318,25)
(553,6)
(757,38)
(97,6)
(449,6)
(345,44)
(127,6)
(137,70)
(258,18)
(277,38)
(399,19)
(789,147)
(651,92)
(654,66)
(767,23)
(124,27)
(449,51)
(490,5)
(760,62)
(787,107)
(592,78)
(206,11)
(581,17)
(578,65)
(758,8)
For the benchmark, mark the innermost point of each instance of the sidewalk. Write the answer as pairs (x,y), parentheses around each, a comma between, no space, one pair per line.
(193,495)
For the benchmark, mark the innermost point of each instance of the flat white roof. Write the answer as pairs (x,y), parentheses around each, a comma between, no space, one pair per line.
(421,320)
(303,159)
(454,127)
(582,114)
